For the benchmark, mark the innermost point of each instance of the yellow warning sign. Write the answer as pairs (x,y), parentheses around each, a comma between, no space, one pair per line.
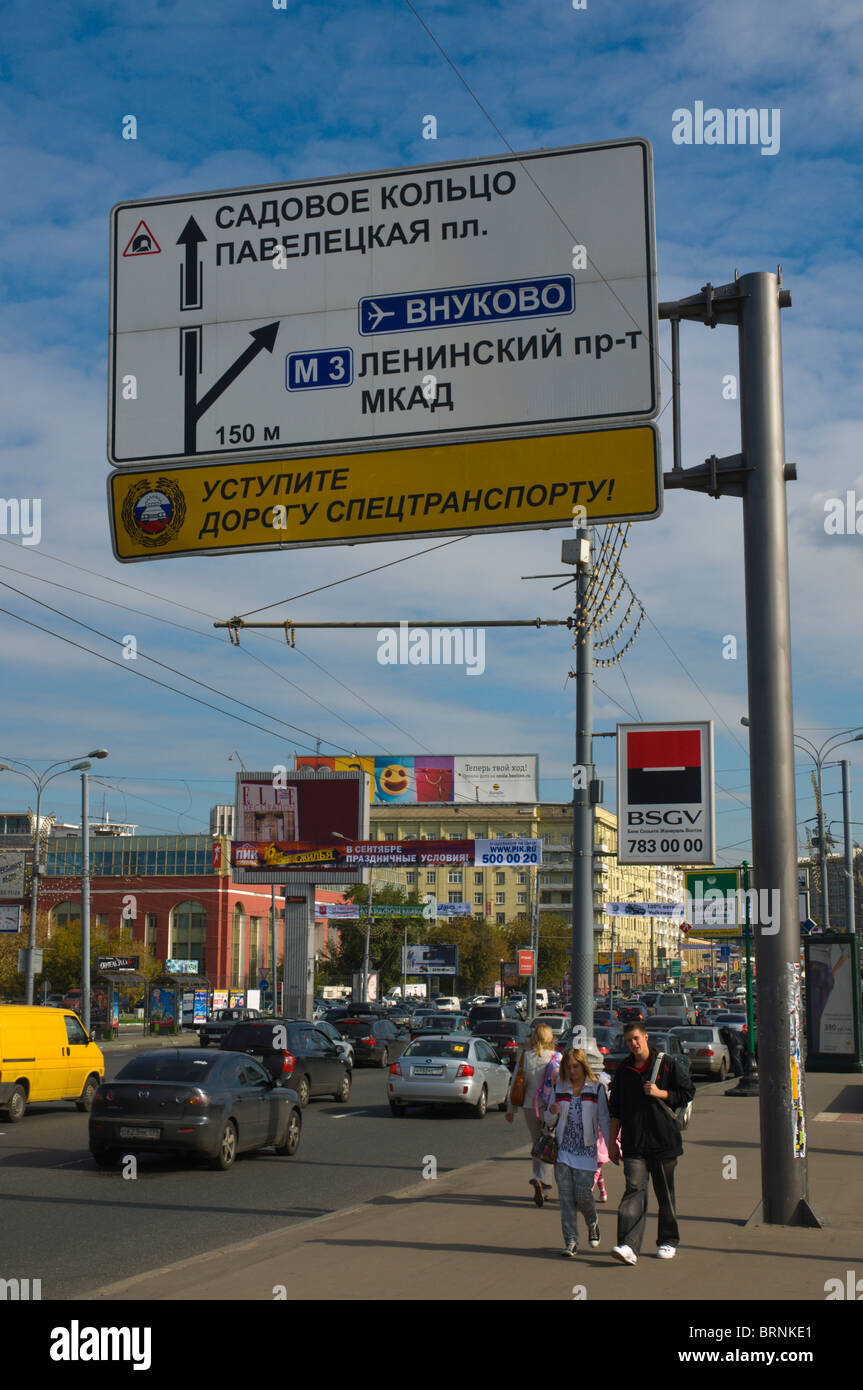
(399,494)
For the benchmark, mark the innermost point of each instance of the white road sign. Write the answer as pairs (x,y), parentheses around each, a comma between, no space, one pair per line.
(12,866)
(520,851)
(492,299)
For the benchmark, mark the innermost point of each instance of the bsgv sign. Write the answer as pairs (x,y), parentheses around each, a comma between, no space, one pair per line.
(665,797)
(497,298)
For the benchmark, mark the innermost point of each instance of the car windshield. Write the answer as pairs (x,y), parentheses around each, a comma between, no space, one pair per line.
(497,1030)
(357,1027)
(694,1034)
(167,1066)
(261,1036)
(223,1015)
(437,1047)
(730,1018)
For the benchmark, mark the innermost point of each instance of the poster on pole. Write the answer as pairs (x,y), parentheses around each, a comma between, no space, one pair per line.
(665,795)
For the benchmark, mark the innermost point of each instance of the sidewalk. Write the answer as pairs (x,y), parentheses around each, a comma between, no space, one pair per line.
(475,1233)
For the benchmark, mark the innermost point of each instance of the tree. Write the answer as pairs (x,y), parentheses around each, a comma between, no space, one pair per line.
(482,947)
(555,946)
(62,957)
(386,937)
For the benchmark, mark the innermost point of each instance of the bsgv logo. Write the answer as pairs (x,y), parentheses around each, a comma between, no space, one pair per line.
(437,646)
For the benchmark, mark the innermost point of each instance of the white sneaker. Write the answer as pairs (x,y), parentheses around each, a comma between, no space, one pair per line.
(666,1252)
(624,1254)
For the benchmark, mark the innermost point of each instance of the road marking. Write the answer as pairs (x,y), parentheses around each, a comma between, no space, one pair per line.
(837,1115)
(346,1114)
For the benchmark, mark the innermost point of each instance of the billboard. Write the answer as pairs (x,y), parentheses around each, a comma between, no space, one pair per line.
(12,863)
(430,960)
(277,808)
(288,856)
(665,799)
(447,779)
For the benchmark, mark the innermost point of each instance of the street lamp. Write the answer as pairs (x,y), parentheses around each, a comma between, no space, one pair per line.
(819,758)
(40,781)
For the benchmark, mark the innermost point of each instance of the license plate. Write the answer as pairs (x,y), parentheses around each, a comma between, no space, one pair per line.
(130,1132)
(427,1071)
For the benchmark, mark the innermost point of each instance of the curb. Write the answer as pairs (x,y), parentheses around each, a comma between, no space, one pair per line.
(259,1243)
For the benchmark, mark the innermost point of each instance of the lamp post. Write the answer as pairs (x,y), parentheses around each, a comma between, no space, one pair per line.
(819,757)
(40,781)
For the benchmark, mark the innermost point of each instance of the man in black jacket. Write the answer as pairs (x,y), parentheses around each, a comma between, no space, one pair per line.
(651,1142)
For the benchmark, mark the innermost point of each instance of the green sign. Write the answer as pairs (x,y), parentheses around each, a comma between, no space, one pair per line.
(674,968)
(712,902)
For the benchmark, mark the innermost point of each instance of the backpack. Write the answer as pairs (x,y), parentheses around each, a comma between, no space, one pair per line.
(683,1114)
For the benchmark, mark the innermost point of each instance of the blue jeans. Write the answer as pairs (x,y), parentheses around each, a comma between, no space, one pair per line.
(574,1190)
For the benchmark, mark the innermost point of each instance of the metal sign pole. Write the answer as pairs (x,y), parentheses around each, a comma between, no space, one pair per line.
(582,805)
(758,475)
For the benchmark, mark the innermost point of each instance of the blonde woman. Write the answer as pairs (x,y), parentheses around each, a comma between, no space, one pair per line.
(539,1064)
(579,1112)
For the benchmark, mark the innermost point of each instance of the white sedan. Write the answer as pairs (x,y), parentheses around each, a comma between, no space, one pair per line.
(448,1070)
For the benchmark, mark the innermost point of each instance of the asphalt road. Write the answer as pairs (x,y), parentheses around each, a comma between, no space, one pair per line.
(77,1227)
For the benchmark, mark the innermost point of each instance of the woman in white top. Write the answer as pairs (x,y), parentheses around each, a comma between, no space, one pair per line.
(579,1112)
(540,1065)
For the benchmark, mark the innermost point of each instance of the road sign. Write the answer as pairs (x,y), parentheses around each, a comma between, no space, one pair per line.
(713,902)
(221,508)
(665,798)
(502,297)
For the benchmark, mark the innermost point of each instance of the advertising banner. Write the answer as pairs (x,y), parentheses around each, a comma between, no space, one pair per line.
(12,863)
(674,911)
(307,808)
(665,793)
(525,961)
(451,779)
(199,1012)
(116,964)
(430,960)
(512,852)
(220,999)
(830,988)
(303,856)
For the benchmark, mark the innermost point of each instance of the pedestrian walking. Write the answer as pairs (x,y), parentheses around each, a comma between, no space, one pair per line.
(579,1112)
(734,1042)
(538,1064)
(645,1091)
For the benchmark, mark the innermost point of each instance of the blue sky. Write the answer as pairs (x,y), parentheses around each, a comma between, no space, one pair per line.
(228,95)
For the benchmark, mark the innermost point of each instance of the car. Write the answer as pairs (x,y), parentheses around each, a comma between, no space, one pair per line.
(375,1040)
(707,1053)
(220,1023)
(45,1055)
(505,1036)
(449,1070)
(296,1054)
(662,1041)
(607,1037)
(661,1022)
(632,1013)
(605,1017)
(332,1035)
(486,1013)
(439,1023)
(680,1004)
(555,1019)
(447,1003)
(187,1100)
(738,1021)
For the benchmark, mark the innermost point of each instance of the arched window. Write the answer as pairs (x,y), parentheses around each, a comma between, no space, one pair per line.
(188,933)
(238,974)
(64,915)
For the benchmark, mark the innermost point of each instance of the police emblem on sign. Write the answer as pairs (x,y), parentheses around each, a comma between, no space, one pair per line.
(154,511)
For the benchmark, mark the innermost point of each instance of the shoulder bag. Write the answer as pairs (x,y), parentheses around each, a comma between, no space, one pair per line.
(516,1094)
(683,1114)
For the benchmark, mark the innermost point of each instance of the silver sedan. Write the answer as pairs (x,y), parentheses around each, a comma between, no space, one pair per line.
(707,1053)
(448,1070)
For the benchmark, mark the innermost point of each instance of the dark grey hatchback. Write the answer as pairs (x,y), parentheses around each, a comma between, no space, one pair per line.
(187,1100)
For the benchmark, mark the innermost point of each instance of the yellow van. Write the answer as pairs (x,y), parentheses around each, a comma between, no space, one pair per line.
(45,1054)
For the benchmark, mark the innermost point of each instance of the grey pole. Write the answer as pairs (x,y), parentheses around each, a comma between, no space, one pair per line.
(784,1172)
(85,905)
(849,860)
(365,999)
(34,899)
(822,842)
(582,807)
